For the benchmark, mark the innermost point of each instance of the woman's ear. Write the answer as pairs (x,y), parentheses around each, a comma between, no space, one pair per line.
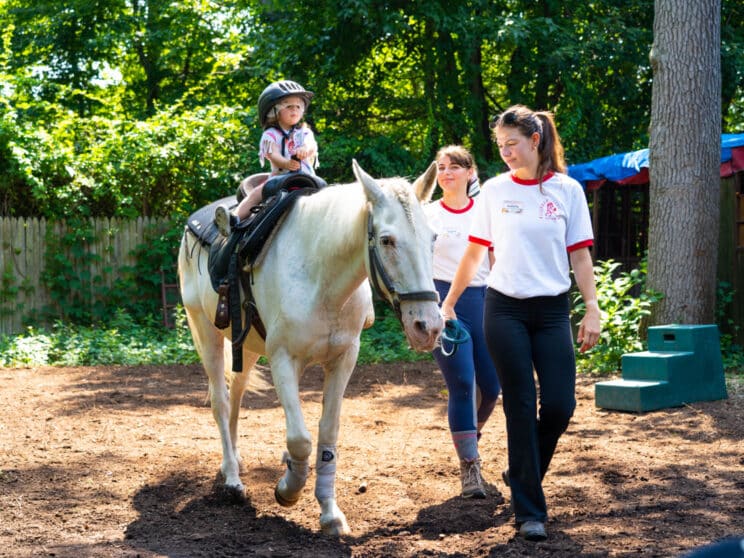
(535,140)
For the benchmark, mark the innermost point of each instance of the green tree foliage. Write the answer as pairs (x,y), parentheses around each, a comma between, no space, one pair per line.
(732,66)
(100,101)
(166,165)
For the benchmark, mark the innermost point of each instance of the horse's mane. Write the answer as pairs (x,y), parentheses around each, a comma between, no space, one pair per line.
(401,188)
(340,200)
(346,203)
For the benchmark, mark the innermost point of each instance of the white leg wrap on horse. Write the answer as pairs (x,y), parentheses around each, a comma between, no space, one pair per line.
(325,470)
(296,474)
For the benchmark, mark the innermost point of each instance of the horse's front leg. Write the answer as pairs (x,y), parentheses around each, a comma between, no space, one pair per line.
(337,374)
(286,372)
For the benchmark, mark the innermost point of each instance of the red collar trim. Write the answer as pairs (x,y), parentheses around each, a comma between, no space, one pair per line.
(452,210)
(531,181)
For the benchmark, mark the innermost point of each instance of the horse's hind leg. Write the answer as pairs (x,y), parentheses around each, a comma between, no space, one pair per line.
(209,342)
(337,374)
(210,345)
(238,383)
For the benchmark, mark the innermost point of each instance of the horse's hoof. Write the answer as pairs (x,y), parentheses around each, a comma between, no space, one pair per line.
(332,519)
(231,494)
(335,527)
(282,501)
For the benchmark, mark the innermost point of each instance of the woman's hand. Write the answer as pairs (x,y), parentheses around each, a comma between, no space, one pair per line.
(589,327)
(448,311)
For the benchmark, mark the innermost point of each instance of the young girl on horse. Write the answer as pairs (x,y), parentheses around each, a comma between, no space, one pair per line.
(287,143)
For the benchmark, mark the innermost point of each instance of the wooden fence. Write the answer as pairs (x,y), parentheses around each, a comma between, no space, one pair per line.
(24,246)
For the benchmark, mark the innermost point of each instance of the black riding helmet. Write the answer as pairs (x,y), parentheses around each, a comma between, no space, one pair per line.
(277,91)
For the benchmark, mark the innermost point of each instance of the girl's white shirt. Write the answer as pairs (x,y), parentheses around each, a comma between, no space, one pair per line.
(452,227)
(531,230)
(301,136)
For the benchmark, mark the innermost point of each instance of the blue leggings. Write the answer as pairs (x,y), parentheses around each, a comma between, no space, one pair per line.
(526,335)
(469,366)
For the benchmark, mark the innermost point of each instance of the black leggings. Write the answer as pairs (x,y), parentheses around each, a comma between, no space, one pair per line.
(525,335)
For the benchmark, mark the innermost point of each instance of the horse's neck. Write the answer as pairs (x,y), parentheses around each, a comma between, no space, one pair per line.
(335,220)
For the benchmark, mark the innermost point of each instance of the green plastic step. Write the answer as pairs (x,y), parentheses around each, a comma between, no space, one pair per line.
(693,338)
(667,366)
(633,395)
(683,365)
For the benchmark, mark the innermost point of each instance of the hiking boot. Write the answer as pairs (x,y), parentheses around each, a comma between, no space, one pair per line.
(533,531)
(471,479)
(224,220)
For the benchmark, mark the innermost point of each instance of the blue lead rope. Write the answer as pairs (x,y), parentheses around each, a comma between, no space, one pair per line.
(455,334)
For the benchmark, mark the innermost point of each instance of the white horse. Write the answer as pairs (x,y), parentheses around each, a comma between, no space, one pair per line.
(312,294)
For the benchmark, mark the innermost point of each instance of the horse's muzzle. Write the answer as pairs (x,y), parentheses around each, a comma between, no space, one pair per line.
(423,331)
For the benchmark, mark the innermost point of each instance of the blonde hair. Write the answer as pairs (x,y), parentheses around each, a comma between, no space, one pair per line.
(273,121)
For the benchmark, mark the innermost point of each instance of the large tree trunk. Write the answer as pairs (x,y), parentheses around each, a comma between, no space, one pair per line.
(684,160)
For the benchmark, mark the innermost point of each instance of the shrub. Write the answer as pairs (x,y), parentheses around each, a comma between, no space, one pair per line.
(623,316)
(385,340)
(731,351)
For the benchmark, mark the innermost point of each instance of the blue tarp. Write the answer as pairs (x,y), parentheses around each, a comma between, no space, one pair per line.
(624,166)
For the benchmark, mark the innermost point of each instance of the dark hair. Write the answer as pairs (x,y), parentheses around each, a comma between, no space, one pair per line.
(461,156)
(458,154)
(527,121)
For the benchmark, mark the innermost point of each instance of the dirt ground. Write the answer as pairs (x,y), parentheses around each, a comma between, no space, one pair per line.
(121,462)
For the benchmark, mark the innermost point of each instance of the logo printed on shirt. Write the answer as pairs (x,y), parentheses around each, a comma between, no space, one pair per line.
(512,207)
(450,233)
(549,211)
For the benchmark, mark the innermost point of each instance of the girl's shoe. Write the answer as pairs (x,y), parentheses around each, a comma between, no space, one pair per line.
(224,220)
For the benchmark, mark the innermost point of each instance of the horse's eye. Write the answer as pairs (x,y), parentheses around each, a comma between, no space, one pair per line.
(387,241)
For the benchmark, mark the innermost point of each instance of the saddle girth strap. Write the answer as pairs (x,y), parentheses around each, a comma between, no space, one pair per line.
(251,312)
(235,314)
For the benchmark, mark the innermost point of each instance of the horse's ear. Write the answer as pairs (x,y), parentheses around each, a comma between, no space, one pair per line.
(424,185)
(373,190)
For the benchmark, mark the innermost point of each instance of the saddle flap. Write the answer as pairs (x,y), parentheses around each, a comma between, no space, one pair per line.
(201,222)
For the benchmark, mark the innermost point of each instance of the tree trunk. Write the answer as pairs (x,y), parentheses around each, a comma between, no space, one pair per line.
(684,160)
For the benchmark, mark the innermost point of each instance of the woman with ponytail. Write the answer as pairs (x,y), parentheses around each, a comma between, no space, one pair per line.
(536,220)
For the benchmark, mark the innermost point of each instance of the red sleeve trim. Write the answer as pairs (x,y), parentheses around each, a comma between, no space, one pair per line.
(480,241)
(582,244)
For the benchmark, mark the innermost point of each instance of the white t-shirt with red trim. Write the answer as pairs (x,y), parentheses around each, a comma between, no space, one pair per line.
(299,136)
(452,227)
(532,232)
